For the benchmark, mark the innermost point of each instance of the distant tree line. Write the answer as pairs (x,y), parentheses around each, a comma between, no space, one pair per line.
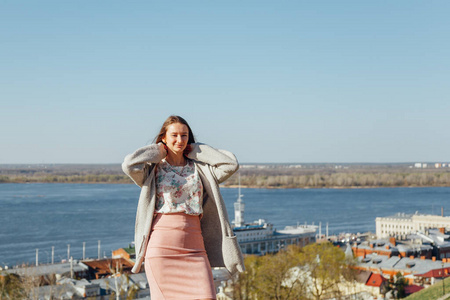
(66,179)
(343,180)
(274,176)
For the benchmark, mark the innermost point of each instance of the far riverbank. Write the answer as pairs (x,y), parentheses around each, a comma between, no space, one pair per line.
(347,181)
(269,177)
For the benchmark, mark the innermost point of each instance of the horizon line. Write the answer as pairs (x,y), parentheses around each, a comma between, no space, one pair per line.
(251,163)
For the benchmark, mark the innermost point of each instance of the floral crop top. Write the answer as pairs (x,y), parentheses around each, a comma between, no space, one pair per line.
(178,189)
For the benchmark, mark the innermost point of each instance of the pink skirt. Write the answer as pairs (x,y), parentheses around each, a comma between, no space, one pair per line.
(176,264)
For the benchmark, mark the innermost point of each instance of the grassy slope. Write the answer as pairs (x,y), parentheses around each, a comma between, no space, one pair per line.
(432,293)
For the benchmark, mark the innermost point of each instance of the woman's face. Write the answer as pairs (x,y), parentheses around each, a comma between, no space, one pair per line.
(177,136)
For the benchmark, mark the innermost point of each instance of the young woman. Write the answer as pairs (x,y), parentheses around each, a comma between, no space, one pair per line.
(182,226)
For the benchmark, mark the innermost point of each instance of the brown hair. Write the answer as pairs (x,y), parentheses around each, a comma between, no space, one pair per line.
(172,120)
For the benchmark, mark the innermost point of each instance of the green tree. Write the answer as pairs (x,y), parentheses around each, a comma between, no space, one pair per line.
(312,272)
(11,287)
(325,266)
(277,278)
(400,284)
(243,284)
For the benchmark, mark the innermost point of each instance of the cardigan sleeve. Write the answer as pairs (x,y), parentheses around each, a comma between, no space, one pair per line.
(222,163)
(138,164)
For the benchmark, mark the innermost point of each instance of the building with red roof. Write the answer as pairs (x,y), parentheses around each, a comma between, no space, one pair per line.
(376,280)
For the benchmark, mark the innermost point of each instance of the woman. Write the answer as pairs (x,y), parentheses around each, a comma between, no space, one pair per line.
(182,226)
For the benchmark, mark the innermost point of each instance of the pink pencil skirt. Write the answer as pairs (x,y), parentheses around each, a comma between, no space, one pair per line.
(176,264)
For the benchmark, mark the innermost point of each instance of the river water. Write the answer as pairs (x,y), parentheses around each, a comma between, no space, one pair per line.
(45,215)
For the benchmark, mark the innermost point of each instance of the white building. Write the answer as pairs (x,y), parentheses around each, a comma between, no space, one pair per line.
(402,224)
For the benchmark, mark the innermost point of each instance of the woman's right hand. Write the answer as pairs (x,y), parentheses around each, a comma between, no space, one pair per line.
(163,148)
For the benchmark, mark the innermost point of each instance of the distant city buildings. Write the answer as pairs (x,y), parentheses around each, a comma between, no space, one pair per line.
(401,224)
(419,271)
(96,279)
(92,279)
(417,246)
(437,165)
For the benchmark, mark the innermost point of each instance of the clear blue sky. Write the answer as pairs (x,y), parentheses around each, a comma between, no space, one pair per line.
(271,81)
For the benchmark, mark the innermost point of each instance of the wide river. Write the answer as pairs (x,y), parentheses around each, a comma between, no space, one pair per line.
(45,215)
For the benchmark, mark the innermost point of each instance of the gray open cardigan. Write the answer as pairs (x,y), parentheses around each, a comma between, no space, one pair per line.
(214,166)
